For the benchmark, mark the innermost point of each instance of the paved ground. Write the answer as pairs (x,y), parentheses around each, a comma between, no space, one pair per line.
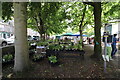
(71,66)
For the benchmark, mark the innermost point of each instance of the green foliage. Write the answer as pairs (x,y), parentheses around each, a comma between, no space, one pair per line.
(111,10)
(7,57)
(75,13)
(42,43)
(55,17)
(57,47)
(68,46)
(52,59)
(47,17)
(51,46)
(7,10)
(37,56)
(89,31)
(78,46)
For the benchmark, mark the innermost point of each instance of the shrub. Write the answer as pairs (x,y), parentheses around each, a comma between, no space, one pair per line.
(52,59)
(37,57)
(7,57)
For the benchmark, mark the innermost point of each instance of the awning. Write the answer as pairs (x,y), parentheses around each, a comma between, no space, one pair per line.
(67,34)
(70,34)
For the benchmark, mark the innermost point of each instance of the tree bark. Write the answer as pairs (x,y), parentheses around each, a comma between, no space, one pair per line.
(42,28)
(21,44)
(81,27)
(97,30)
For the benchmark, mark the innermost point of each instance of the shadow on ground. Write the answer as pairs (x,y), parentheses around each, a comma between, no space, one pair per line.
(71,66)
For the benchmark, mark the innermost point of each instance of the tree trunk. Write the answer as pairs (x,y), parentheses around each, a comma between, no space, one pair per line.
(21,44)
(0,48)
(41,28)
(97,30)
(81,27)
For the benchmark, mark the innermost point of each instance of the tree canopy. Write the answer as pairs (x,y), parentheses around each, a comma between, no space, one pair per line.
(57,16)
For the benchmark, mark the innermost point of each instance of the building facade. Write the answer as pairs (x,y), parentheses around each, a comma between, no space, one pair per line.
(116,27)
(6,29)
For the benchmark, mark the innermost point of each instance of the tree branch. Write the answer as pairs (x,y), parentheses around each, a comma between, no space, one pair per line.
(37,24)
(80,26)
(92,26)
(84,24)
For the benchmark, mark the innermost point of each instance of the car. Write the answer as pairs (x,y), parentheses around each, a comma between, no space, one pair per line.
(3,42)
(29,38)
(10,40)
(36,38)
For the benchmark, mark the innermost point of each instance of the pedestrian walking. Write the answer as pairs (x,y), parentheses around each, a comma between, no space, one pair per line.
(114,49)
(109,49)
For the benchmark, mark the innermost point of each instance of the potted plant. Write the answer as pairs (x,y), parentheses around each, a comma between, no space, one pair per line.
(37,57)
(61,48)
(8,58)
(42,44)
(53,60)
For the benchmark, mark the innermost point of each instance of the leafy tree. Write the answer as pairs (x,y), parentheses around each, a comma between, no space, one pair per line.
(47,17)
(97,28)
(80,16)
(111,10)
(7,11)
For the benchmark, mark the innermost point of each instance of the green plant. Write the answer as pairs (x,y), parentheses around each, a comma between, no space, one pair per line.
(51,46)
(52,59)
(42,43)
(57,47)
(37,56)
(68,46)
(78,46)
(7,57)
(75,46)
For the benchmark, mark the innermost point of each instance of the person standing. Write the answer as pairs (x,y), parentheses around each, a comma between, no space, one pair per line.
(109,49)
(114,49)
